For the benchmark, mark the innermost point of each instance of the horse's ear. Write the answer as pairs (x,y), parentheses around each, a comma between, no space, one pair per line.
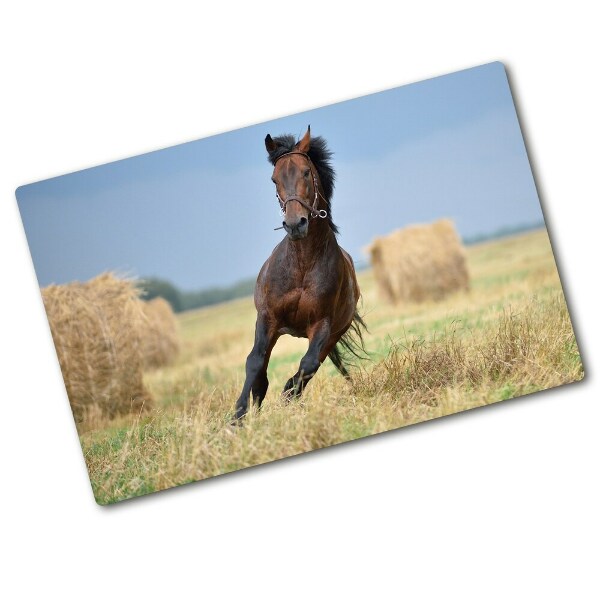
(270,144)
(304,144)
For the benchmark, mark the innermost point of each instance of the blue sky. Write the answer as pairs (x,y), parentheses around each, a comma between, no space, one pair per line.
(202,213)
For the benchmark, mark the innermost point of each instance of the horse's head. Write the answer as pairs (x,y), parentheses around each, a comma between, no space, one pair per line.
(297,186)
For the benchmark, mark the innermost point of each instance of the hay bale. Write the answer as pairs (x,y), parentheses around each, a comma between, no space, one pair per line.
(419,262)
(159,337)
(95,327)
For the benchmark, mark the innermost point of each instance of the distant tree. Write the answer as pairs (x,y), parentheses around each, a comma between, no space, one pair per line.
(181,300)
(152,287)
(503,232)
(215,295)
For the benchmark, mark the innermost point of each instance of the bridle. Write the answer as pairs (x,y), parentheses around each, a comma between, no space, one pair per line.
(313,211)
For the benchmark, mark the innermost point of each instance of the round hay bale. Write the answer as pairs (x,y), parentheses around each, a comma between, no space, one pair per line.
(159,336)
(419,263)
(95,327)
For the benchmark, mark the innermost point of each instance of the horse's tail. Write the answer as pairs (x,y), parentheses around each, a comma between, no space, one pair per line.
(351,343)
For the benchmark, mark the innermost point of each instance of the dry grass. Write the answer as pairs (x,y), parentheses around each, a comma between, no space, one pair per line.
(509,336)
(419,262)
(95,327)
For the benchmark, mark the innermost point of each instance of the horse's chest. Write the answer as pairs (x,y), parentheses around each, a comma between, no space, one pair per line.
(296,310)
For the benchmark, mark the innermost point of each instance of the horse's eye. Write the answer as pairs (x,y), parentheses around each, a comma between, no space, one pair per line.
(307,173)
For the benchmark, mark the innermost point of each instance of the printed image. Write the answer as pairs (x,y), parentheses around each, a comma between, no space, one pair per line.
(299,283)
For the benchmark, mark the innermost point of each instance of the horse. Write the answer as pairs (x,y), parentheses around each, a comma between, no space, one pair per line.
(307,287)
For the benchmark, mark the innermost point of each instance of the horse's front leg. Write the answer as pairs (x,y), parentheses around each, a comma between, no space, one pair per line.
(256,366)
(319,336)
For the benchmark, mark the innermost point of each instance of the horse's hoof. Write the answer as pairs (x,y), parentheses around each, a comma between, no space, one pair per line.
(288,395)
(229,430)
(237,422)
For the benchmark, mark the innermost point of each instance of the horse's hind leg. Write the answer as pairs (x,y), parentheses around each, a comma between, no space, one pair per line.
(318,347)
(336,358)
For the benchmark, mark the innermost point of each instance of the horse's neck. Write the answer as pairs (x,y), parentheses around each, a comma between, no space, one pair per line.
(313,248)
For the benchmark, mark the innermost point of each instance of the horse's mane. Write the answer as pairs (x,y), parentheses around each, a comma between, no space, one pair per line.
(320,155)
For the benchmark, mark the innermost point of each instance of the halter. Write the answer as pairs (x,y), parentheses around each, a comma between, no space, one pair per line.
(314,212)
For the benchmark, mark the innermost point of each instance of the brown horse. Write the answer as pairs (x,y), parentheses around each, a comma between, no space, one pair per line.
(307,288)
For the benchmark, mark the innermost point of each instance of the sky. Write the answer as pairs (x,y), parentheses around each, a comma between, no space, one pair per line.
(202,214)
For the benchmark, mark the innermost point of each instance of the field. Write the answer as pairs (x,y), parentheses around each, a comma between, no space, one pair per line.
(509,335)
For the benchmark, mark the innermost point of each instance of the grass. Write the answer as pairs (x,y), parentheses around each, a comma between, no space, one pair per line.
(509,336)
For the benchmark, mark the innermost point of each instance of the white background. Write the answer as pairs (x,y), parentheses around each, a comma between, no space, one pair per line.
(496,503)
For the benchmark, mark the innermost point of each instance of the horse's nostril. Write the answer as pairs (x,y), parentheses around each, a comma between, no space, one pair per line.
(303,221)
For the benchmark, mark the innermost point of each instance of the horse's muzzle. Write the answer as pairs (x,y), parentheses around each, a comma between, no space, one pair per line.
(296,230)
